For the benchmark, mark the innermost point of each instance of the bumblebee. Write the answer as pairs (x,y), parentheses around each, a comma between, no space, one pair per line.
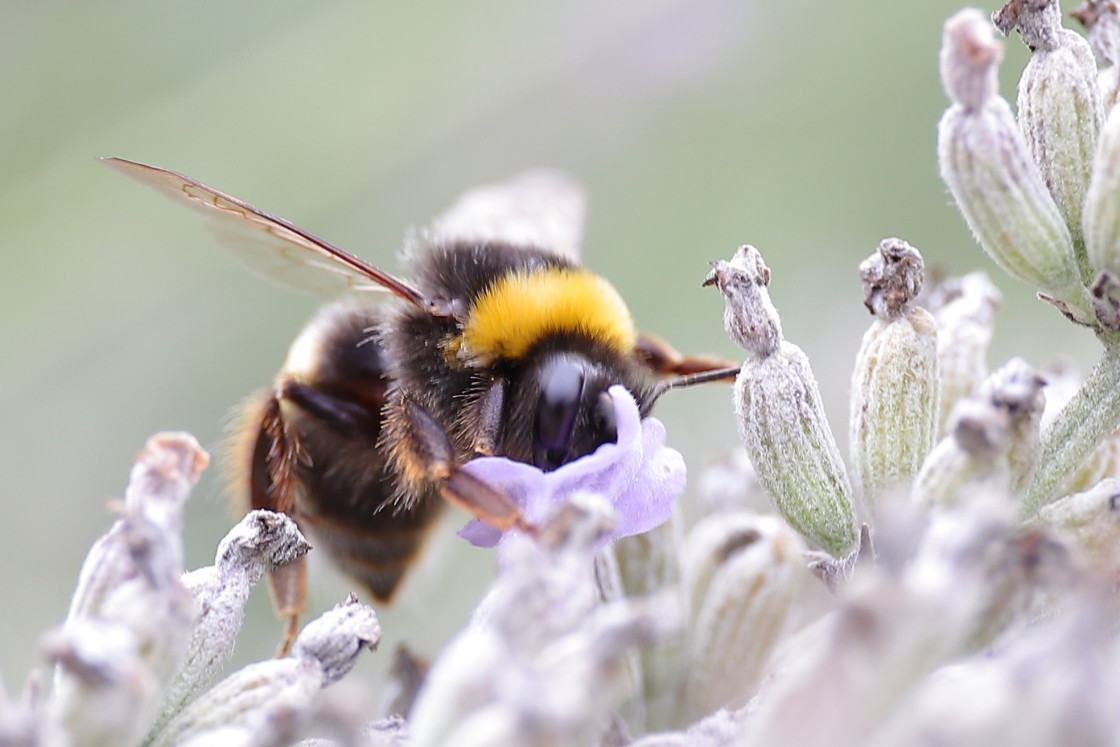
(503,344)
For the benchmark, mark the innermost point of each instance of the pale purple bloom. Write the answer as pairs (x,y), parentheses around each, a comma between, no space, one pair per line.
(639,475)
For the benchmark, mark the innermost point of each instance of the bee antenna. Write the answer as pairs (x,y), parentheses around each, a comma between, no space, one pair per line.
(680,382)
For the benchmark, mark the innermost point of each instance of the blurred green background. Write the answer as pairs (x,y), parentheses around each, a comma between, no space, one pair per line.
(805,128)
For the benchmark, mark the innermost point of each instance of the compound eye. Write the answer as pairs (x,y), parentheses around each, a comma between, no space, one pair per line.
(557,411)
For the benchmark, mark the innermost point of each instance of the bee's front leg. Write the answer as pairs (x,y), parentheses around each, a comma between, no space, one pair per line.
(423,454)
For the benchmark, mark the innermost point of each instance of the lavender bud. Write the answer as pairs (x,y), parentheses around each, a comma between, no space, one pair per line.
(336,638)
(729,482)
(744,574)
(994,446)
(261,541)
(1060,110)
(1017,390)
(1090,521)
(270,696)
(105,694)
(131,575)
(895,385)
(146,541)
(841,680)
(1102,464)
(544,661)
(255,698)
(971,459)
(964,309)
(1101,20)
(989,171)
(780,414)
(970,58)
(1048,684)
(1102,202)
(649,563)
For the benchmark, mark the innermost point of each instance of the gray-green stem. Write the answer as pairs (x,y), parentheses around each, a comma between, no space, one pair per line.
(1088,419)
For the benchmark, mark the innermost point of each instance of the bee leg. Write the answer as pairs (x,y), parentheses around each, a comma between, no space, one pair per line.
(424,454)
(271,486)
(489,418)
(288,585)
(274,473)
(664,360)
(330,409)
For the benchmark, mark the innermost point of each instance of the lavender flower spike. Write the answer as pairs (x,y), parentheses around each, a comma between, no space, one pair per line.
(639,475)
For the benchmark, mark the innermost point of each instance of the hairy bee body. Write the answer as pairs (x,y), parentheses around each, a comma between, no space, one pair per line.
(321,445)
(501,343)
(433,360)
(311,447)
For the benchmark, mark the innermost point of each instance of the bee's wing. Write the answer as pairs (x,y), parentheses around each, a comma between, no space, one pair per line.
(542,209)
(270,245)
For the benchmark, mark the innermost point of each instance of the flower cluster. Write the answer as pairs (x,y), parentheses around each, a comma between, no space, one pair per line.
(1041,192)
(136,660)
(952,581)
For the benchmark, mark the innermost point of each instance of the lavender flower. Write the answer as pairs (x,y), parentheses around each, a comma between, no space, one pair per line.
(639,475)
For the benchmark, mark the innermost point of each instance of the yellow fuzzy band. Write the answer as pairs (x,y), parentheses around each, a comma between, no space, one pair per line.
(521,308)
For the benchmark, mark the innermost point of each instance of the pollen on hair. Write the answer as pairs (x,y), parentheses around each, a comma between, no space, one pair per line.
(522,308)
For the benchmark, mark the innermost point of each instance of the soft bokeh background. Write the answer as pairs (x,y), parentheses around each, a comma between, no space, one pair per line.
(804,128)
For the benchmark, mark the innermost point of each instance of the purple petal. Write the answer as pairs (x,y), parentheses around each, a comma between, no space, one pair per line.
(639,475)
(480,534)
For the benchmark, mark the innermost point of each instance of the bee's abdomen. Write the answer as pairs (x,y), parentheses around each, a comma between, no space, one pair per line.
(376,550)
(319,454)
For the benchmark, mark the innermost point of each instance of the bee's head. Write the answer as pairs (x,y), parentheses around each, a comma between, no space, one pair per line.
(574,415)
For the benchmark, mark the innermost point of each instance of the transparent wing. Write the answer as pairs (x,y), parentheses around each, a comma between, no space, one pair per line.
(543,209)
(269,245)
